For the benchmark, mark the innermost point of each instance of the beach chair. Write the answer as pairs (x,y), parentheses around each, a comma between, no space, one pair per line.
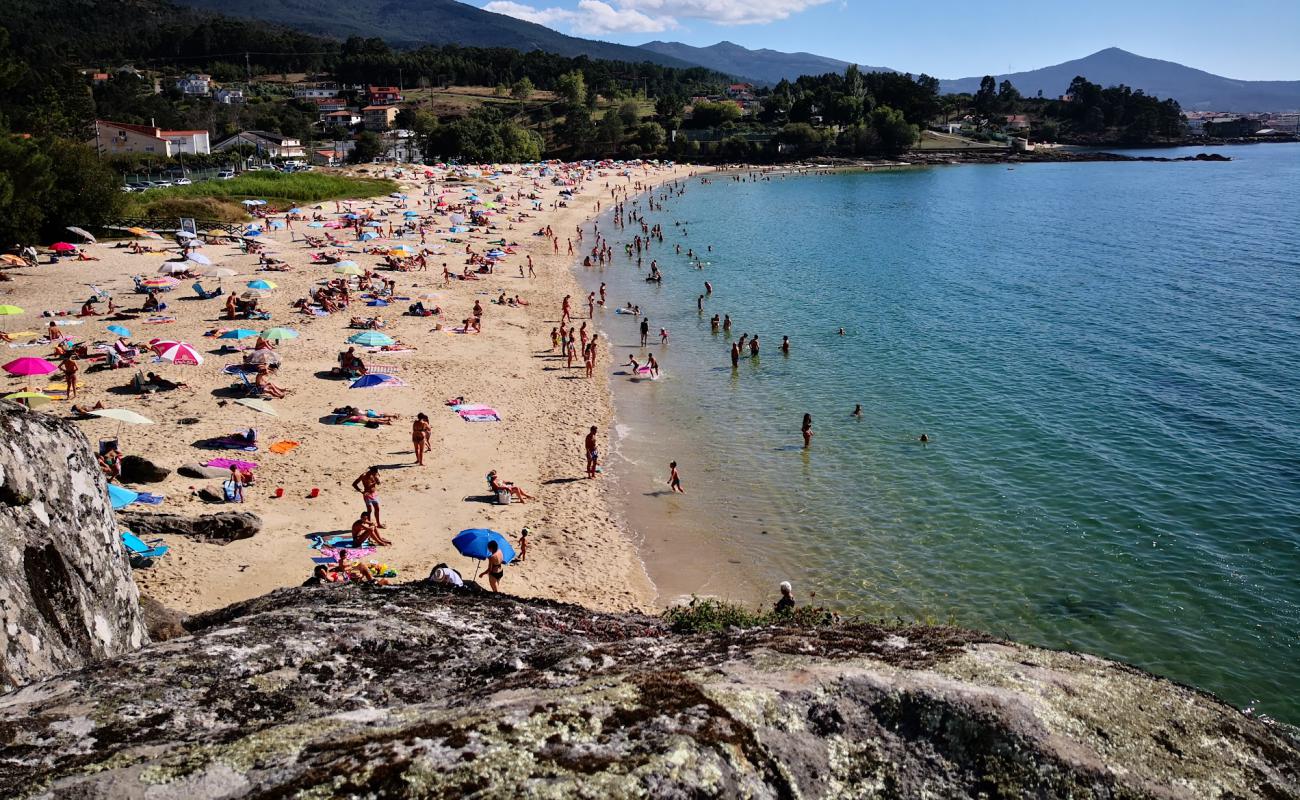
(249,388)
(382,369)
(141,553)
(139,386)
(107,446)
(204,294)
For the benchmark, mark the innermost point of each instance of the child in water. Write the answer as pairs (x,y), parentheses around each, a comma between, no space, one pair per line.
(675,480)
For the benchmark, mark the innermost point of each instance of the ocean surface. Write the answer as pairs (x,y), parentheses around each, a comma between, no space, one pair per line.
(1105,358)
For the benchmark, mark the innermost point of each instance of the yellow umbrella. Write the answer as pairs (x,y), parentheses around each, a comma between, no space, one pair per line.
(9,310)
(32,399)
(16,261)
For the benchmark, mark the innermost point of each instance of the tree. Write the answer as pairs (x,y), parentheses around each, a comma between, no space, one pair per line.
(896,134)
(49,183)
(522,90)
(630,112)
(500,90)
(651,136)
(1008,97)
(713,115)
(367,148)
(986,99)
(670,106)
(611,130)
(572,86)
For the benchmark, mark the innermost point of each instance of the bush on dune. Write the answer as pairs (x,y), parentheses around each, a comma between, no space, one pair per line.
(208,209)
(707,614)
(301,187)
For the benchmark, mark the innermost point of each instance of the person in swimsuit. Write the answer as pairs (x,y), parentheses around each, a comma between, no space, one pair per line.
(857,411)
(674,479)
(495,566)
(593,454)
(368,484)
(420,433)
(364,531)
(807,431)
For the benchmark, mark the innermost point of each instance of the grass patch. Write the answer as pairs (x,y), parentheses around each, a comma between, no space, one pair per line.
(296,187)
(208,209)
(706,615)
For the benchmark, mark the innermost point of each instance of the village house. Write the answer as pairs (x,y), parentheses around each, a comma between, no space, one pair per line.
(1232,127)
(379,118)
(195,84)
(326,105)
(268,145)
(316,91)
(342,119)
(328,158)
(121,137)
(1017,122)
(228,96)
(383,95)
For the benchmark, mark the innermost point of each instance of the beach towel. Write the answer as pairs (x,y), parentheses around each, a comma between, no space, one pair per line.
(474,412)
(159,320)
(149,499)
(227,443)
(227,463)
(283,447)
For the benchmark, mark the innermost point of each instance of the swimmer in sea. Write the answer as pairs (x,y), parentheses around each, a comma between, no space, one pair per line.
(841,332)
(807,431)
(785,345)
(857,411)
(924,439)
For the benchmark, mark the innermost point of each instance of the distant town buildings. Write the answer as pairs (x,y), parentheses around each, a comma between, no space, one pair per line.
(383,95)
(379,118)
(228,96)
(1232,127)
(268,145)
(121,137)
(315,91)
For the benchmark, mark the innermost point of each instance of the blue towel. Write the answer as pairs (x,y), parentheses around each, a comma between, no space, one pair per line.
(149,499)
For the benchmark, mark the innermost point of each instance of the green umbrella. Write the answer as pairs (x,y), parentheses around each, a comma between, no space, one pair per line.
(370,339)
(279,334)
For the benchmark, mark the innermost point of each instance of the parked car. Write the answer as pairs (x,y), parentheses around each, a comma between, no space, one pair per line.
(182,182)
(126,187)
(225,175)
(138,186)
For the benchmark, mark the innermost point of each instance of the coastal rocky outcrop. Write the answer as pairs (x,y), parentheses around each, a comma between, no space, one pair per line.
(416,691)
(66,592)
(220,528)
(137,469)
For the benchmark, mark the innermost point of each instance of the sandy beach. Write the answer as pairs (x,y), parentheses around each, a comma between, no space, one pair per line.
(577,549)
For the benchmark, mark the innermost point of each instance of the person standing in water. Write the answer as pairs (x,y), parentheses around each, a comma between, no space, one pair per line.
(674,479)
(807,431)
(645,330)
(593,454)
(753,347)
(735,355)
(857,411)
(785,345)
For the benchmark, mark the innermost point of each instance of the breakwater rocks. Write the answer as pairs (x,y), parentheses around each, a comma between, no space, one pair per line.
(415,691)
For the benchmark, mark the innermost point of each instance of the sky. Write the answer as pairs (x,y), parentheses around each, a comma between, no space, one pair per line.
(1245,39)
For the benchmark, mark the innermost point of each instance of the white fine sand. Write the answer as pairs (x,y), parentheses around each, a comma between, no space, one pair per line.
(577,551)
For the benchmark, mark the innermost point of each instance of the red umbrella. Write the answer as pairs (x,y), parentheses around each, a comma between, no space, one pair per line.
(30,366)
(179,353)
(159,345)
(63,247)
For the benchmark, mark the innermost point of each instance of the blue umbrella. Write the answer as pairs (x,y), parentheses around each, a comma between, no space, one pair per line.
(377,302)
(375,224)
(238,333)
(315,224)
(411,214)
(367,236)
(351,216)
(120,330)
(119,497)
(374,380)
(253,232)
(473,542)
(370,339)
(259,284)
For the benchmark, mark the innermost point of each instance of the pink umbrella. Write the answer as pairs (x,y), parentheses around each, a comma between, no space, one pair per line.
(63,247)
(30,366)
(179,353)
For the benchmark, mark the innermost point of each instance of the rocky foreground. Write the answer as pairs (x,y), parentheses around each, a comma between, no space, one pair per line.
(413,691)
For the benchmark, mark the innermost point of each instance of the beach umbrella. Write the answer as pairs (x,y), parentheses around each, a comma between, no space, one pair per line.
(119,497)
(253,294)
(279,334)
(122,415)
(377,381)
(29,365)
(181,353)
(373,224)
(63,247)
(258,405)
(83,234)
(351,216)
(120,330)
(370,339)
(409,214)
(159,283)
(253,232)
(315,224)
(261,284)
(187,235)
(13,260)
(199,258)
(294,211)
(220,272)
(368,236)
(473,543)
(377,302)
(249,202)
(6,310)
(269,358)
(30,399)
(238,333)
(401,250)
(174,268)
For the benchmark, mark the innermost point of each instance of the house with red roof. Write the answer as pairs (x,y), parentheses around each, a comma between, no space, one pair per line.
(122,137)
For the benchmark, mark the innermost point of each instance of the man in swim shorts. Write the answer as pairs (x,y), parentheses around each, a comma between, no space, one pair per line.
(593,454)
(368,484)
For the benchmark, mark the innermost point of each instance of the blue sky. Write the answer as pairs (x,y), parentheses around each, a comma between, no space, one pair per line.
(1247,39)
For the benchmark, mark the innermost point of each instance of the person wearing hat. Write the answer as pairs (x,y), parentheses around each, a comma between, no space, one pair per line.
(444,575)
(786,604)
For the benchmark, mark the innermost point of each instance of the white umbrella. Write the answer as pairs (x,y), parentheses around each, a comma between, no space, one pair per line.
(82,234)
(199,258)
(220,272)
(122,415)
(257,405)
(174,268)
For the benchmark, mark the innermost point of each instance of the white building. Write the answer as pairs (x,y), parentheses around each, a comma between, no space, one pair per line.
(316,92)
(121,137)
(196,83)
(268,145)
(228,96)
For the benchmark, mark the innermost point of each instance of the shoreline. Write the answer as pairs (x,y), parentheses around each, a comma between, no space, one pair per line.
(578,550)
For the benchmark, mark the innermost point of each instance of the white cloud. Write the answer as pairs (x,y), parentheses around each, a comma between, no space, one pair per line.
(594,17)
(723,12)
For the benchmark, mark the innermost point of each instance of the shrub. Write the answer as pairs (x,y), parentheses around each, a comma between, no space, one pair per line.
(708,614)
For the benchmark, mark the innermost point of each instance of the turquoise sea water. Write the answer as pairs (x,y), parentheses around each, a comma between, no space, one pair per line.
(1106,358)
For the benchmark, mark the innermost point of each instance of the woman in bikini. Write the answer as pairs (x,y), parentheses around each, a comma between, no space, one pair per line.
(420,434)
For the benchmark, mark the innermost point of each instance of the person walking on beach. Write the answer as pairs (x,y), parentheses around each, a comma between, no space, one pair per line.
(807,431)
(70,370)
(495,566)
(674,479)
(368,484)
(593,454)
(645,330)
(420,433)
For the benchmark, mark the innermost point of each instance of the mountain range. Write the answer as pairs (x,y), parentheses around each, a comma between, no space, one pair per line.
(409,23)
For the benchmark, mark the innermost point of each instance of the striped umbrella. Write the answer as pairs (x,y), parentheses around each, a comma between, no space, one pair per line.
(261,284)
(159,283)
(370,339)
(181,353)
